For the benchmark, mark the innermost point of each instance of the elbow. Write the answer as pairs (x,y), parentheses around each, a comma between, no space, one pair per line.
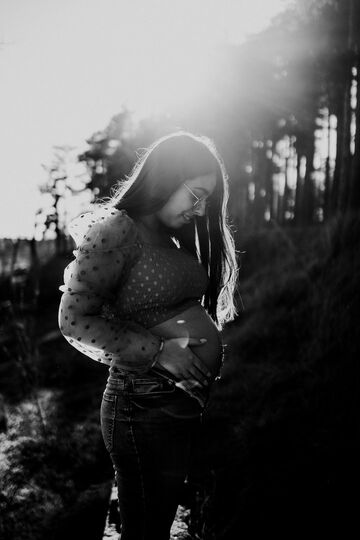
(63,325)
(68,320)
(74,313)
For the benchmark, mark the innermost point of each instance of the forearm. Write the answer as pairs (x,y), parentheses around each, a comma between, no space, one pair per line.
(130,346)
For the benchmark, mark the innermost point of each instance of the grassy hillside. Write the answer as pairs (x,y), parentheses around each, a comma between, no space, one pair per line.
(283,421)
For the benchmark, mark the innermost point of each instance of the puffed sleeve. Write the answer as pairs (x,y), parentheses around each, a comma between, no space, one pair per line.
(106,245)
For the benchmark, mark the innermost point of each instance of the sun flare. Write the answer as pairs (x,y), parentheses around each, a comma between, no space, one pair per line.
(67,67)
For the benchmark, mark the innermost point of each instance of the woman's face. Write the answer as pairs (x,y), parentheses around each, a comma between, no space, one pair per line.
(180,209)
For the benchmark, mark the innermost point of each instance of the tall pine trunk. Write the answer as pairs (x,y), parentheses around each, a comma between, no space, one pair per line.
(307,199)
(327,187)
(334,197)
(345,164)
(355,166)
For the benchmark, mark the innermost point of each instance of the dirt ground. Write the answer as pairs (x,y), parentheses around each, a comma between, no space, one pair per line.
(178,530)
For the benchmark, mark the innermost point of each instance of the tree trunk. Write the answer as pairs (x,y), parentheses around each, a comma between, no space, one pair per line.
(298,193)
(300,149)
(345,163)
(355,166)
(354,202)
(286,205)
(334,196)
(269,187)
(341,200)
(326,207)
(307,203)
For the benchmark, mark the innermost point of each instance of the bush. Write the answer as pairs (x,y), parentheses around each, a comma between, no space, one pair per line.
(280,431)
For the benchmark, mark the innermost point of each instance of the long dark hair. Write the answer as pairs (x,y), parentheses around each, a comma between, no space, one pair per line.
(159,171)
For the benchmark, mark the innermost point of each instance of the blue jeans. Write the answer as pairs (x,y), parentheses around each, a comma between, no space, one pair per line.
(148,426)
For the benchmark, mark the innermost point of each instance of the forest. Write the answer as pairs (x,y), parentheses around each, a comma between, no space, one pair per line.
(280,455)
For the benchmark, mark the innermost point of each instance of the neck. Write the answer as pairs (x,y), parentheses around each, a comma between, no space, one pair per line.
(151,223)
(153,231)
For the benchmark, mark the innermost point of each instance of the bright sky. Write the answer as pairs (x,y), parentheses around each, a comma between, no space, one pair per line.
(67,66)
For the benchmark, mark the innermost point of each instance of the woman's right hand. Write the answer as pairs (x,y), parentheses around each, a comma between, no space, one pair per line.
(177,358)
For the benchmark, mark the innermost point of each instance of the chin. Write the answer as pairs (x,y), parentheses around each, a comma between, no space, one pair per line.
(176,224)
(179,225)
(185,226)
(175,227)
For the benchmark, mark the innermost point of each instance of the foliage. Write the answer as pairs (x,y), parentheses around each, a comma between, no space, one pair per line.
(268,100)
(285,409)
(53,465)
(43,477)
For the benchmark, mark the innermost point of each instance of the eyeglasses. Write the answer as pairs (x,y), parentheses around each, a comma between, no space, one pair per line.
(198,200)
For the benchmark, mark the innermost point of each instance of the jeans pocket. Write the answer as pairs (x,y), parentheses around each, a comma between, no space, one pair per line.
(107,420)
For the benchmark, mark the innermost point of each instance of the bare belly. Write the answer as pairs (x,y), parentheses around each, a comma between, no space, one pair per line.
(195,322)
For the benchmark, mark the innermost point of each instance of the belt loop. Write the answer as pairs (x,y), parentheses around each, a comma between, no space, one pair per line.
(128,383)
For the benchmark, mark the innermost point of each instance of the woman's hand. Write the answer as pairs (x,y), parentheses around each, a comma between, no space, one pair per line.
(177,358)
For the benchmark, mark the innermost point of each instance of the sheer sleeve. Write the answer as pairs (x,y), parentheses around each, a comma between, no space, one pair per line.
(106,246)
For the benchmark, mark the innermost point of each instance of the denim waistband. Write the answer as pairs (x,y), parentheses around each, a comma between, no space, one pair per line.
(139,384)
(153,384)
(156,380)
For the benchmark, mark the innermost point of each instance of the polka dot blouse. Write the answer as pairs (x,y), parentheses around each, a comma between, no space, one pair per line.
(118,287)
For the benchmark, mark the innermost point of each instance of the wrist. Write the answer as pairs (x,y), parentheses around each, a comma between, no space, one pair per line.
(157,354)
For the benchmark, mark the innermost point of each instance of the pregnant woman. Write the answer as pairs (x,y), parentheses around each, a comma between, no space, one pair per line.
(149,289)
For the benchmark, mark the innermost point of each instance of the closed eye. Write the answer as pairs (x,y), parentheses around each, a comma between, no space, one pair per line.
(204,192)
(198,199)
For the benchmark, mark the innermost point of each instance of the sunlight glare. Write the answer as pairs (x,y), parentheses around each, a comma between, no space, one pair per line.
(68,67)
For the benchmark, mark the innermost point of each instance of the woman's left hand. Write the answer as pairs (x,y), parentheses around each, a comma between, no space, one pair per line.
(178,358)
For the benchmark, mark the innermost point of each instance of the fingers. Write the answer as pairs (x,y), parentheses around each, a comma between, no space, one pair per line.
(198,365)
(188,384)
(198,370)
(185,341)
(195,342)
(184,363)
(197,376)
